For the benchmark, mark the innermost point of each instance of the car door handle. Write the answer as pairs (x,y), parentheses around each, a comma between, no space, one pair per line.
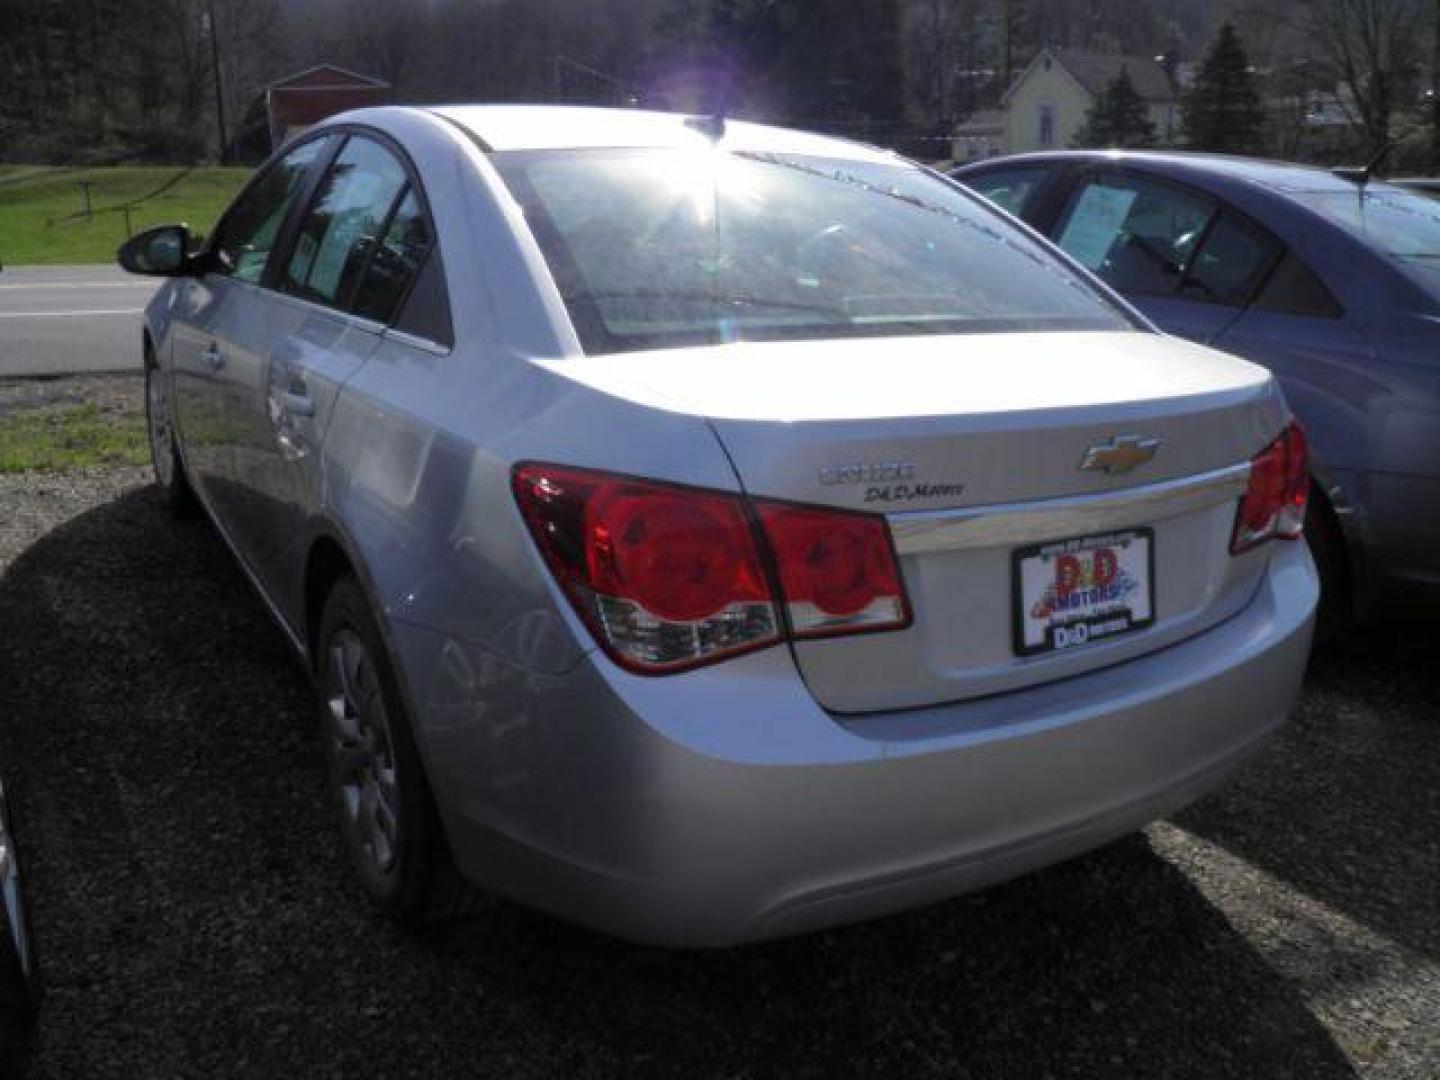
(297,404)
(214,358)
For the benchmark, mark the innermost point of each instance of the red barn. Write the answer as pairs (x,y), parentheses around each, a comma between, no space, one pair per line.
(296,102)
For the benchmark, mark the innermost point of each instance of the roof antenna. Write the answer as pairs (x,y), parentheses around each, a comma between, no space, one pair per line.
(712,126)
(1361,175)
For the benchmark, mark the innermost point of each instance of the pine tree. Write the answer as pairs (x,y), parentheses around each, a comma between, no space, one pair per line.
(1222,111)
(1119,118)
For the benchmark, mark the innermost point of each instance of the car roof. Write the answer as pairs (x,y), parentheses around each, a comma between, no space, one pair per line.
(557,127)
(1280,176)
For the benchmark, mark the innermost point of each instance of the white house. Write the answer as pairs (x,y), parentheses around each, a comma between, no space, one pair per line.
(981,135)
(1045,106)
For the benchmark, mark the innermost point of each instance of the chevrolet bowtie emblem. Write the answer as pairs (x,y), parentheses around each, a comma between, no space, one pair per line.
(1121,454)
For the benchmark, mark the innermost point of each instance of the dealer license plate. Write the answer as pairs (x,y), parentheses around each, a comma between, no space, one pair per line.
(1072,593)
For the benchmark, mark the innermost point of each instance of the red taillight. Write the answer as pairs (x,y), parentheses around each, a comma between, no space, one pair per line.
(1274,503)
(837,570)
(669,577)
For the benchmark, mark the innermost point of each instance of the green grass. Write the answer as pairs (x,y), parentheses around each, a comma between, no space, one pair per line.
(37,205)
(71,437)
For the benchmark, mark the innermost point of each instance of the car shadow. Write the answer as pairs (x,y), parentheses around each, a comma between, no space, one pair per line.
(194,914)
(1345,804)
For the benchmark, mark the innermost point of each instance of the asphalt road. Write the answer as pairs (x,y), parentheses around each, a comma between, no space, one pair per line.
(59,320)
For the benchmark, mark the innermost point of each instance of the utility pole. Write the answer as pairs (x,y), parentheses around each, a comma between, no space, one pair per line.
(219,81)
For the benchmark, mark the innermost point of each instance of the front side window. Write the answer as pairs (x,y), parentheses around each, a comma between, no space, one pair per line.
(343,226)
(1136,234)
(1010,189)
(651,248)
(250,229)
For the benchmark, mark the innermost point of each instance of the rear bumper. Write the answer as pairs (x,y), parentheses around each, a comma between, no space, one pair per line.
(724,805)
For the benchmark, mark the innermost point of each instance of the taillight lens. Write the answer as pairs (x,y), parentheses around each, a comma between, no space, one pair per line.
(837,570)
(669,577)
(1274,503)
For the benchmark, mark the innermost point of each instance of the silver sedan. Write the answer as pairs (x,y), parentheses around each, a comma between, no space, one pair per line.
(709,532)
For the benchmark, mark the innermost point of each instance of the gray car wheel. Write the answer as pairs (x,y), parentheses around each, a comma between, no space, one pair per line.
(164,454)
(387,815)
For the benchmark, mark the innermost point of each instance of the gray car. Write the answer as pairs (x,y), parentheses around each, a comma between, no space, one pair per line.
(708,532)
(1331,284)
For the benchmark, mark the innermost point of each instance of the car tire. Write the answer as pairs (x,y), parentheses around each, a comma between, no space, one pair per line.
(1335,617)
(18,983)
(388,821)
(164,454)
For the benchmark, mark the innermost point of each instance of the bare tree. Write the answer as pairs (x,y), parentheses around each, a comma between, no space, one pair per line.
(1374,52)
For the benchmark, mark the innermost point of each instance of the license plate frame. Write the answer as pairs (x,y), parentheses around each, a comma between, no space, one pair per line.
(1102,617)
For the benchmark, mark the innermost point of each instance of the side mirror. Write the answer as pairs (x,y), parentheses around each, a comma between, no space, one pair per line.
(163,251)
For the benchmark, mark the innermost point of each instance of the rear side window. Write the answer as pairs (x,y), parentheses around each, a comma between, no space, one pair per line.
(344,224)
(1136,234)
(1231,262)
(1010,189)
(1295,289)
(395,259)
(250,229)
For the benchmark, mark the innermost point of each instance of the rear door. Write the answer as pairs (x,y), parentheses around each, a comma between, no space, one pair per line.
(1187,262)
(223,298)
(354,257)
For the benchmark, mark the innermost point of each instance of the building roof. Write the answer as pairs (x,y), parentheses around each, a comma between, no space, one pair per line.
(325,75)
(555,127)
(1096,71)
(981,122)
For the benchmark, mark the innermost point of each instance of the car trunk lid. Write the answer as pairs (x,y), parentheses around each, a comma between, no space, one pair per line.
(973,447)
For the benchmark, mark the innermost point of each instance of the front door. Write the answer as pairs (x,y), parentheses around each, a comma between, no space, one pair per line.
(305,339)
(206,359)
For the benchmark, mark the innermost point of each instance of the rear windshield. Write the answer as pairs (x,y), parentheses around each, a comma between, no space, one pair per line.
(1397,222)
(659,248)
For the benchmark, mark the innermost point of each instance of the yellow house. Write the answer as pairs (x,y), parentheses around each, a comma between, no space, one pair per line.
(1045,106)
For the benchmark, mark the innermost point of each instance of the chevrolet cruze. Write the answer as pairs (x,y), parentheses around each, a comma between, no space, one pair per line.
(709,532)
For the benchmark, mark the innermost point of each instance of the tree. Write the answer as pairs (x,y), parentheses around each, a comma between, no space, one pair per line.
(1222,111)
(1119,118)
(1372,49)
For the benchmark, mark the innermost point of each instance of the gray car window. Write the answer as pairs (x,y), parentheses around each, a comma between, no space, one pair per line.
(1295,289)
(395,259)
(1010,189)
(1136,234)
(669,247)
(1230,263)
(342,226)
(1394,221)
(248,233)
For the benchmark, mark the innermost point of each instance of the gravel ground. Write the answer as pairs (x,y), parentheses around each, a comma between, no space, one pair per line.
(194,916)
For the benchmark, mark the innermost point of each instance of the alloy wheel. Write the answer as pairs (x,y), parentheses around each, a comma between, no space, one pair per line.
(361,752)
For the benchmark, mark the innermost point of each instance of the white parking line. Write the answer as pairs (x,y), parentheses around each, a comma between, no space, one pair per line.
(63,314)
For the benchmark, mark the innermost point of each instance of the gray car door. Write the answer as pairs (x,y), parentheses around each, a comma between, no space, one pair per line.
(299,345)
(207,305)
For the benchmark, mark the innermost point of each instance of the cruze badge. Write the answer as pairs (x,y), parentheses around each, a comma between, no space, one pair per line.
(867,472)
(1121,454)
